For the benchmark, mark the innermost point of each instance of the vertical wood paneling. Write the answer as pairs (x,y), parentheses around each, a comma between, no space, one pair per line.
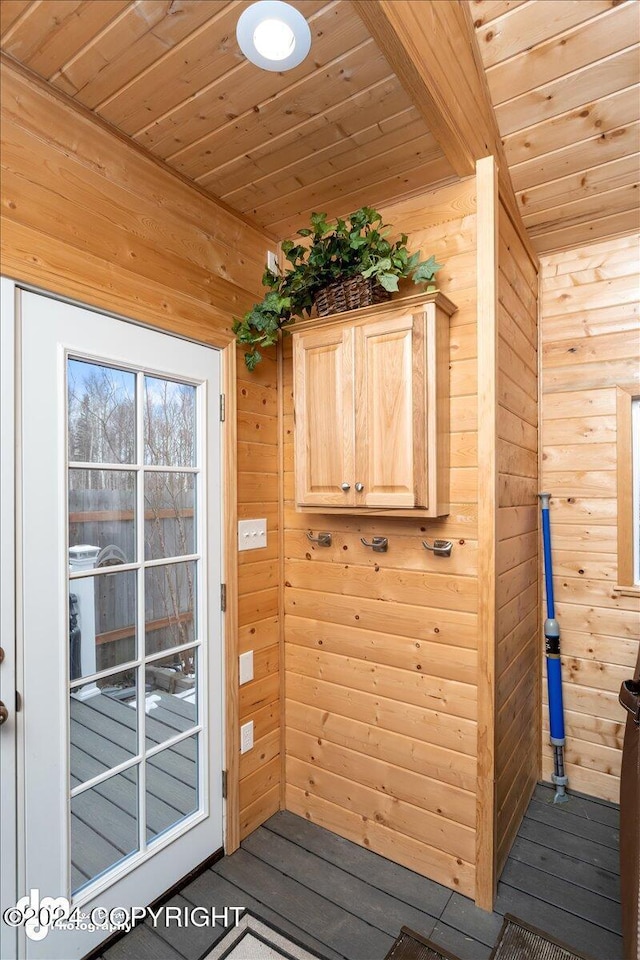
(517,627)
(90,217)
(590,346)
(380,649)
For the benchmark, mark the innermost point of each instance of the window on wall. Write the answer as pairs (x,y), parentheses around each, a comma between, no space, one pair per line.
(628,462)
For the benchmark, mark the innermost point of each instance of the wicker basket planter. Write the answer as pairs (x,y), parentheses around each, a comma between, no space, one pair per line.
(351,294)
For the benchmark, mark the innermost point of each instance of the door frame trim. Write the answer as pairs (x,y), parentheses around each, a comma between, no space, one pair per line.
(222,341)
(8,621)
(229,531)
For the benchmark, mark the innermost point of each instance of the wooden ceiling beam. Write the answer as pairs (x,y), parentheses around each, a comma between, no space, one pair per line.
(432,48)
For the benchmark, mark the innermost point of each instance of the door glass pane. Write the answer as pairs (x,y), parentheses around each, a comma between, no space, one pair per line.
(169,423)
(169,526)
(171,696)
(172,786)
(104,827)
(101,413)
(102,618)
(102,512)
(104,725)
(170,603)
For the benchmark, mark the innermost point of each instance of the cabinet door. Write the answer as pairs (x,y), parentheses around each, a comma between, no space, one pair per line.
(324,417)
(390,412)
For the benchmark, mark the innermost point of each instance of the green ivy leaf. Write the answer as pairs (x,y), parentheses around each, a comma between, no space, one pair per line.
(339,250)
(389,281)
(252,360)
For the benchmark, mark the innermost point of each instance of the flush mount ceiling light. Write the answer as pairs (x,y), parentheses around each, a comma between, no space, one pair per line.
(273,35)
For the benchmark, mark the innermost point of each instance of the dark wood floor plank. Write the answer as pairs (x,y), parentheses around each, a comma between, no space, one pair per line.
(210,889)
(190,941)
(591,808)
(376,907)
(462,914)
(582,903)
(346,903)
(560,816)
(390,877)
(142,944)
(556,839)
(457,943)
(598,881)
(330,924)
(570,929)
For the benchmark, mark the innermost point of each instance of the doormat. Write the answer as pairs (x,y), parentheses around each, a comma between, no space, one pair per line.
(413,946)
(520,941)
(252,939)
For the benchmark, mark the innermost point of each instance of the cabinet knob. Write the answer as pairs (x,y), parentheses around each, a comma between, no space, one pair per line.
(359,487)
(345,486)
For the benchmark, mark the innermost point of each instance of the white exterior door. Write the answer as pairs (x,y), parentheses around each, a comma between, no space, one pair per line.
(119,616)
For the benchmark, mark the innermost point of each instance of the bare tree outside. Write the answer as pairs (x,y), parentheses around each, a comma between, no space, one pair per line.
(102,503)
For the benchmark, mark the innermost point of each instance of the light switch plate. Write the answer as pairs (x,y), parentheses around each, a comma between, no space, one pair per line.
(246,737)
(252,534)
(246,666)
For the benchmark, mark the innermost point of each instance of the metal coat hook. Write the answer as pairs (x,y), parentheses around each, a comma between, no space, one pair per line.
(379,544)
(323,539)
(441,548)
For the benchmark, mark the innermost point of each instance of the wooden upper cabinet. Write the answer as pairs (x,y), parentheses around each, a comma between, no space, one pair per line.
(324,417)
(371,399)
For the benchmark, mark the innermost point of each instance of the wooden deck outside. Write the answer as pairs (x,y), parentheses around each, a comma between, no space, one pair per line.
(347,902)
(104,821)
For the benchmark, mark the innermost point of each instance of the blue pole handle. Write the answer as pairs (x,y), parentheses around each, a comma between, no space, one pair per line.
(548,566)
(556,707)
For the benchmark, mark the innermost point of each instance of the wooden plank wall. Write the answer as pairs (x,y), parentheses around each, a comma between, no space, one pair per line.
(589,346)
(380,649)
(258,588)
(89,216)
(518,645)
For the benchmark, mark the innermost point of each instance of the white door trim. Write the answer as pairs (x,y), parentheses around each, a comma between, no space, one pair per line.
(11,560)
(8,566)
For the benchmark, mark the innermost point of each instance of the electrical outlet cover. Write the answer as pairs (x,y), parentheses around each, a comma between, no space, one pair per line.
(246,667)
(246,737)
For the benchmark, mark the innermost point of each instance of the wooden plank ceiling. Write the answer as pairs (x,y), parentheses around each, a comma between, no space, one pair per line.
(339,130)
(563,77)
(334,133)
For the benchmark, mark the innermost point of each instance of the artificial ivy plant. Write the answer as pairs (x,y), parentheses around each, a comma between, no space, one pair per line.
(330,252)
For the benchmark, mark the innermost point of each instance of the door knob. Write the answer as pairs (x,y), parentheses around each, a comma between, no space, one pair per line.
(359,487)
(4,713)
(345,486)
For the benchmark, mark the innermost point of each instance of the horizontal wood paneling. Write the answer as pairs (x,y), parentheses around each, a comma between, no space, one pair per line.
(563,78)
(88,216)
(517,563)
(380,649)
(590,344)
